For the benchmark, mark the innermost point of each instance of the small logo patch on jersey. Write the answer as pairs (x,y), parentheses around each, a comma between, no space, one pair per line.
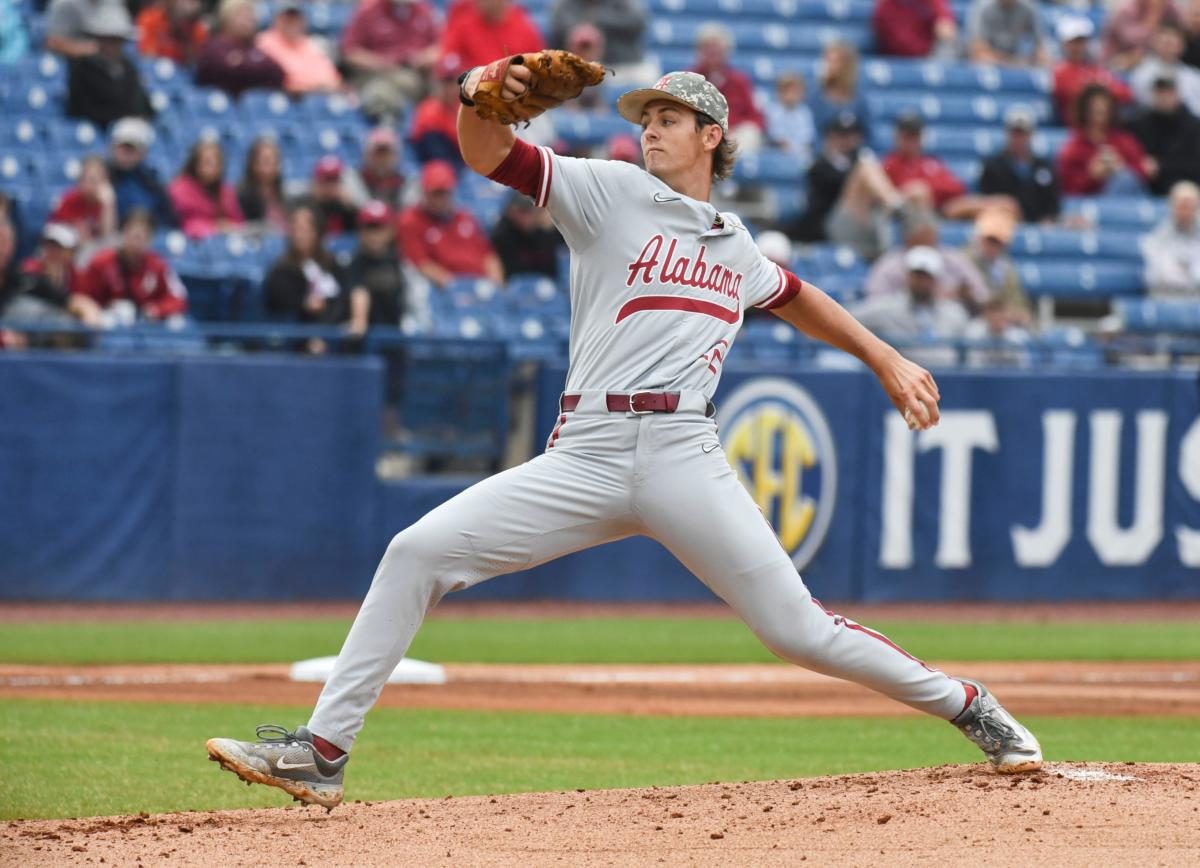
(778,441)
(709,447)
(661,197)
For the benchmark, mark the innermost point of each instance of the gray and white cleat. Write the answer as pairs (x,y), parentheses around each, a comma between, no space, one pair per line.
(1009,746)
(283,759)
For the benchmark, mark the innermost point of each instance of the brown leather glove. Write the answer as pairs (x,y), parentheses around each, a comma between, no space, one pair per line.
(556,76)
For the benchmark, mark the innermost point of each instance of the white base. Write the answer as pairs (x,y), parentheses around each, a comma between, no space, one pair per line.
(408,672)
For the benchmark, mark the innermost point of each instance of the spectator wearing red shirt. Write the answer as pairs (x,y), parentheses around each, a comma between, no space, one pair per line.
(1099,157)
(479,31)
(914,28)
(927,179)
(714,44)
(1077,69)
(203,201)
(90,207)
(230,59)
(131,279)
(172,29)
(387,46)
(434,134)
(442,241)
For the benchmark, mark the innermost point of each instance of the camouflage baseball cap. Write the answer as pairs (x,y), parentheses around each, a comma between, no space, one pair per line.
(687,88)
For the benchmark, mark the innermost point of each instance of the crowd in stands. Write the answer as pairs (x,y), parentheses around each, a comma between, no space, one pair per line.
(1126,93)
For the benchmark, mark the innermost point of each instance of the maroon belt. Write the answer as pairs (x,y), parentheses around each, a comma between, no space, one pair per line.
(632,402)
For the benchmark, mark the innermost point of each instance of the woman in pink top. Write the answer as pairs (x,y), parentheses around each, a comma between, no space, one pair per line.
(204,203)
(1129,28)
(306,67)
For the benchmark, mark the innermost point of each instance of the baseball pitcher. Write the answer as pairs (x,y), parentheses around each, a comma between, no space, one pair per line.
(660,281)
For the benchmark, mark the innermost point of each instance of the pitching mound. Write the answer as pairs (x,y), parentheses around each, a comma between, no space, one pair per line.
(1070,814)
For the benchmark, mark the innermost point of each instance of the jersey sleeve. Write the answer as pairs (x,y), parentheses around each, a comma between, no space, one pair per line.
(768,285)
(578,193)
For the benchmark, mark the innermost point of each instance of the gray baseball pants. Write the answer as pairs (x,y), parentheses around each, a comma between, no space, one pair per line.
(605,476)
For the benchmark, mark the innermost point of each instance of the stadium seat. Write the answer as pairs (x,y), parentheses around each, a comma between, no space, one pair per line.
(1077,279)
(1130,211)
(889,74)
(953,108)
(1145,315)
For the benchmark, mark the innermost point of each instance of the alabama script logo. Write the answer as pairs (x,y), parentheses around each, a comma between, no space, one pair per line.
(778,441)
(653,265)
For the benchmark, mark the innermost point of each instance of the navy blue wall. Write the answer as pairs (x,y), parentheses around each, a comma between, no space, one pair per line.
(251,478)
(192,478)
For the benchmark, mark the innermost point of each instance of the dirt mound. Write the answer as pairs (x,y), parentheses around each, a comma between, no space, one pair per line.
(1070,814)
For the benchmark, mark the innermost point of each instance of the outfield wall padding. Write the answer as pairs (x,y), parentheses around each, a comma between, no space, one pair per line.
(202,478)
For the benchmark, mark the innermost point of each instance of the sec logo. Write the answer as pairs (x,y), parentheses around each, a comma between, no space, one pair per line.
(777,440)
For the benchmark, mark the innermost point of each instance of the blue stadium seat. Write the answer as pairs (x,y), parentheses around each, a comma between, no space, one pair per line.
(765,10)
(953,108)
(262,106)
(1032,242)
(1113,211)
(586,129)
(752,37)
(889,74)
(208,104)
(771,167)
(948,141)
(1178,316)
(1080,279)
(26,132)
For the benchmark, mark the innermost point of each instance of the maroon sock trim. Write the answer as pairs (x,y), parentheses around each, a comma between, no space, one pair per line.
(329,751)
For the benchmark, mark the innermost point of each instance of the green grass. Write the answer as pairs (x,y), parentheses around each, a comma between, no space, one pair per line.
(64,759)
(582,640)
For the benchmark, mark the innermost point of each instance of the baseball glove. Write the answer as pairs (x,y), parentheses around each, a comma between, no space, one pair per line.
(557,76)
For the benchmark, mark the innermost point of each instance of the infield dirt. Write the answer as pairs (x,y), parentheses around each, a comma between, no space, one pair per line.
(1070,814)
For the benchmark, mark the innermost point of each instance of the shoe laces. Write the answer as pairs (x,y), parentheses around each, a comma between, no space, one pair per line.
(986,727)
(270,733)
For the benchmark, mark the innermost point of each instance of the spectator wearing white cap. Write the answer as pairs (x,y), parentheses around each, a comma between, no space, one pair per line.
(1018,172)
(104,85)
(777,247)
(1130,28)
(918,313)
(1079,68)
(1007,32)
(48,291)
(958,280)
(1163,61)
(1172,250)
(135,183)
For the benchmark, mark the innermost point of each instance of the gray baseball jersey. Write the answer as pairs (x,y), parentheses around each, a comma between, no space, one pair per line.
(659,281)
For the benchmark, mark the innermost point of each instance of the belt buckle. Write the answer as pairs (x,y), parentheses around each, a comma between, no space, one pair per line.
(633,395)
